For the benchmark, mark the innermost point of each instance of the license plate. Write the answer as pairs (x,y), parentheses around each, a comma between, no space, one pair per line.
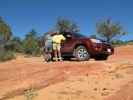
(109,50)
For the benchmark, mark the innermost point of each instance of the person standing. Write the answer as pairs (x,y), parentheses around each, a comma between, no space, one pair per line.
(57,39)
(48,47)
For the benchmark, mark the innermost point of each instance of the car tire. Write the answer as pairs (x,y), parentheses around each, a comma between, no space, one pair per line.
(67,58)
(81,53)
(101,57)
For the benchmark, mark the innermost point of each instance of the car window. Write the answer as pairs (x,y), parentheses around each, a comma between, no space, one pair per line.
(78,35)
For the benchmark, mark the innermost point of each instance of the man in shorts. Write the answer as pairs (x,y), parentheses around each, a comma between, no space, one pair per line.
(57,39)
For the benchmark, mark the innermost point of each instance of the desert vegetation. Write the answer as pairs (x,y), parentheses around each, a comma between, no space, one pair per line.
(31,44)
(30,94)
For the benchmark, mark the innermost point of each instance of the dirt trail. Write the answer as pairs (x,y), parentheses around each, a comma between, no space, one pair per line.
(23,73)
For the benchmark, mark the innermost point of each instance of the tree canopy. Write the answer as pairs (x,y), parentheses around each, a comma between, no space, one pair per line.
(109,30)
(5,30)
(66,25)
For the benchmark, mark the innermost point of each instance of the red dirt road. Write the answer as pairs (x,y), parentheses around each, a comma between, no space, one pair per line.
(22,73)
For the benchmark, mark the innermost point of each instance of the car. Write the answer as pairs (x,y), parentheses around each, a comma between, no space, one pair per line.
(84,48)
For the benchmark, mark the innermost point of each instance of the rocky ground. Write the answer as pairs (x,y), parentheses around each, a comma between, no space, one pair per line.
(69,80)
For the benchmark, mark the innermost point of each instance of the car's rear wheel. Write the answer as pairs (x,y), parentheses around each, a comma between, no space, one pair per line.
(81,53)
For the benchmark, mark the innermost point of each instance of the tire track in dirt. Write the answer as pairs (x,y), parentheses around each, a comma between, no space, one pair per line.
(24,77)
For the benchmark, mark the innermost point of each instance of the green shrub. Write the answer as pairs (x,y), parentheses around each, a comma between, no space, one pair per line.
(30,44)
(6,55)
(30,94)
(121,43)
(31,47)
(14,46)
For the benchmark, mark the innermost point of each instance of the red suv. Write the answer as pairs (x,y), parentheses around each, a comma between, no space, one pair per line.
(83,48)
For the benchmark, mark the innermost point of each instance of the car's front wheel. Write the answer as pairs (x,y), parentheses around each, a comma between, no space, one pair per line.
(81,53)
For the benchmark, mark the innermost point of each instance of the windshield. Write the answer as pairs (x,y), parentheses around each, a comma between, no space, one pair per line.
(78,35)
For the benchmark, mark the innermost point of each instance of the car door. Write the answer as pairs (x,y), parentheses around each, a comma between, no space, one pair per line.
(67,45)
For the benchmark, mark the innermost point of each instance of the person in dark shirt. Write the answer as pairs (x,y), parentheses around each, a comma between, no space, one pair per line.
(48,47)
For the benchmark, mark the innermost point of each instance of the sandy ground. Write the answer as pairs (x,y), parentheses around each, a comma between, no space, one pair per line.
(89,80)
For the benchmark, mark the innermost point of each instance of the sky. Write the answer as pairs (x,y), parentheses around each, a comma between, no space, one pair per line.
(41,15)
